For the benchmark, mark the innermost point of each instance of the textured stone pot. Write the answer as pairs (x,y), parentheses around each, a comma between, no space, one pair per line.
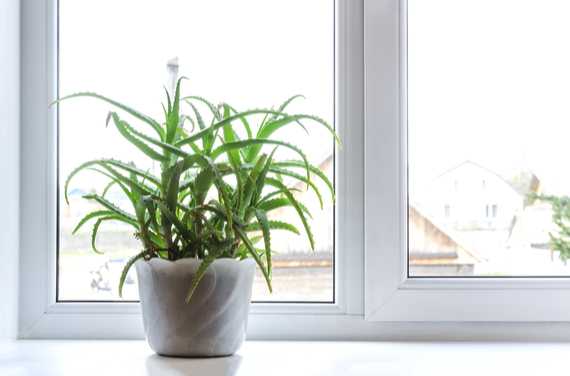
(213,323)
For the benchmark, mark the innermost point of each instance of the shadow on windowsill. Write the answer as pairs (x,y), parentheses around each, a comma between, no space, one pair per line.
(157,365)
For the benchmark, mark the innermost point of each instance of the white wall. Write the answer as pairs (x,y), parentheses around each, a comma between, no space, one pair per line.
(9,163)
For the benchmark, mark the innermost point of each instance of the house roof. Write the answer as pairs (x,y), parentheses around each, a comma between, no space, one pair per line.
(531,183)
(470,162)
(464,253)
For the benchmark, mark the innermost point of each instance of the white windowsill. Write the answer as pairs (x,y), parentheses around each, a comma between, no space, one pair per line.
(110,358)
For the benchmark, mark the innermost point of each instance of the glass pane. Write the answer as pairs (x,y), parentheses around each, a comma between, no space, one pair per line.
(488,131)
(249,53)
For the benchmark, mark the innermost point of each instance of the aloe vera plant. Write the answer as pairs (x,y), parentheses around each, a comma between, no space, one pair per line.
(219,180)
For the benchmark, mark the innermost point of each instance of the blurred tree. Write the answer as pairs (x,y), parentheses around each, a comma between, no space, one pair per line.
(559,241)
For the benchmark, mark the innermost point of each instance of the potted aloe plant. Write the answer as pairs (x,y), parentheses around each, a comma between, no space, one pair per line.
(203,218)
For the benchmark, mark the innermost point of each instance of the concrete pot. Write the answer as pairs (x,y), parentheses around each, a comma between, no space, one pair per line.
(213,323)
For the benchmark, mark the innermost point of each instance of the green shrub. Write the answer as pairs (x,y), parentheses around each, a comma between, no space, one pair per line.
(559,240)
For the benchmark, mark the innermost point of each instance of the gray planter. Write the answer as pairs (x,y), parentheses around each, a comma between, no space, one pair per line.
(213,323)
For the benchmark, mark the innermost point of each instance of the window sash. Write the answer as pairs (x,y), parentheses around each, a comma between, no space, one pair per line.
(390,295)
(42,317)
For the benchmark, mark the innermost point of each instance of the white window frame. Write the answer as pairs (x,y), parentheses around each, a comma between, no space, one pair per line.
(9,164)
(374,297)
(390,294)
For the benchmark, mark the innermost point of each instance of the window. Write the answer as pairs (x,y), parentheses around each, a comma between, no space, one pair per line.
(491,210)
(467,83)
(332,80)
(232,63)
(391,116)
(458,92)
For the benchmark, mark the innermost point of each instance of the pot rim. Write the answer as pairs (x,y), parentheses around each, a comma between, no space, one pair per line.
(194,261)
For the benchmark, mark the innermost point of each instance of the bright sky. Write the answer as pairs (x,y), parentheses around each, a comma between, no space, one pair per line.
(489,80)
(249,53)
